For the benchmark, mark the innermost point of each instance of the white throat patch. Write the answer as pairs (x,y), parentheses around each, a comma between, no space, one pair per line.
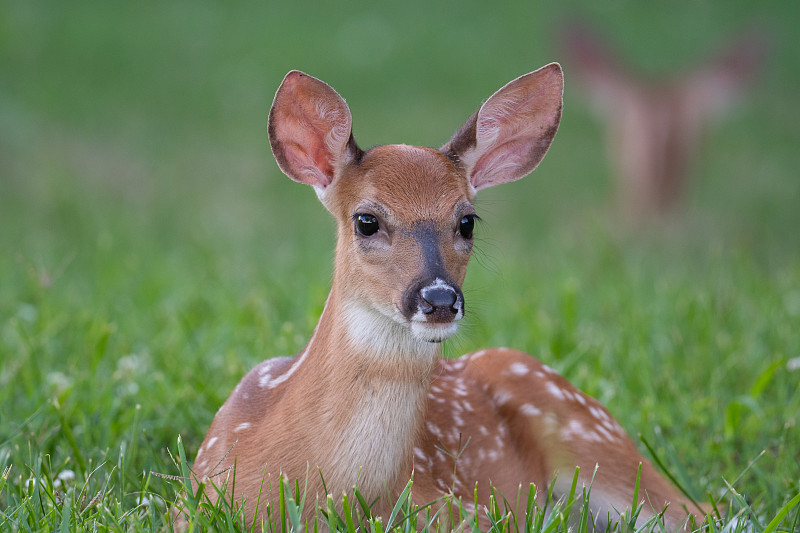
(380,336)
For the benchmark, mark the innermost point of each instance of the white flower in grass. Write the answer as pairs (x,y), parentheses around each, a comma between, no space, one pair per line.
(64,477)
(130,389)
(793,364)
(128,365)
(59,382)
(145,500)
(32,483)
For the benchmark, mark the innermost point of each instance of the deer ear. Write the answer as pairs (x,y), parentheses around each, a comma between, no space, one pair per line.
(713,87)
(310,130)
(510,133)
(597,66)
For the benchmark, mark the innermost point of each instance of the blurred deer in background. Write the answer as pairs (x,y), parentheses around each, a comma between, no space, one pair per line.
(654,126)
(370,401)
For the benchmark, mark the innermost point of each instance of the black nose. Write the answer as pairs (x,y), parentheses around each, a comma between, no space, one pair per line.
(438,298)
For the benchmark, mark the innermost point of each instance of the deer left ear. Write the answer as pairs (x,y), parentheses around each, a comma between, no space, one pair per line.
(511,132)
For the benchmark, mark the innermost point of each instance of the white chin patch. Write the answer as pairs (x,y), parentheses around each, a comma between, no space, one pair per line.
(430,332)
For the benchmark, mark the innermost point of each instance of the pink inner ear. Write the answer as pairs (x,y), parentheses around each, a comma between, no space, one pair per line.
(303,137)
(311,169)
(302,146)
(514,143)
(310,129)
(497,163)
(516,126)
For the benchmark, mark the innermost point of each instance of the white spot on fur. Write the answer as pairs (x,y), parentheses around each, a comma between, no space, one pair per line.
(460,388)
(211,442)
(455,434)
(573,429)
(554,390)
(599,414)
(242,426)
(528,409)
(502,397)
(478,354)
(519,369)
(502,429)
(498,441)
(456,364)
(433,429)
(465,460)
(604,433)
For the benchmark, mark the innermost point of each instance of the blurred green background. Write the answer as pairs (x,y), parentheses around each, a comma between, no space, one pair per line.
(151,251)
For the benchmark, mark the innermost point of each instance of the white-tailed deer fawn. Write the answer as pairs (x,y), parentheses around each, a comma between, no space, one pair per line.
(654,127)
(369,400)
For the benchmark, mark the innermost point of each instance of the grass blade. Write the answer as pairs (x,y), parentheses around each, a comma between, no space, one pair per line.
(67,431)
(399,504)
(773,524)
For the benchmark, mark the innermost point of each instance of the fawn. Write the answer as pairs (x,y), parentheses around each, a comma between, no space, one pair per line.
(655,126)
(369,400)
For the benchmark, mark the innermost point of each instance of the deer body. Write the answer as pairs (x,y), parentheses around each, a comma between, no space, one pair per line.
(369,401)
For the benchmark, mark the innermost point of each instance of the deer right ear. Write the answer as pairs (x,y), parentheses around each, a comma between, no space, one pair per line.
(310,130)
(511,132)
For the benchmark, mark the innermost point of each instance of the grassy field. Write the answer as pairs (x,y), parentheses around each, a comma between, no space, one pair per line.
(151,252)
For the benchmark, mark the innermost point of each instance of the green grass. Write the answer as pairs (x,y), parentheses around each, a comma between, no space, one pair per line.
(151,252)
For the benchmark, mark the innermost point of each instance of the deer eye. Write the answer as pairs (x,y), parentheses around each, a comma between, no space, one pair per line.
(366,225)
(466,226)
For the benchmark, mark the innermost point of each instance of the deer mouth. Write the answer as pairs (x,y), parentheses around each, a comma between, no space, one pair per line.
(433,331)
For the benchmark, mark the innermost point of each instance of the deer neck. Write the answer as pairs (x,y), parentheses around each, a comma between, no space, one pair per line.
(365,380)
